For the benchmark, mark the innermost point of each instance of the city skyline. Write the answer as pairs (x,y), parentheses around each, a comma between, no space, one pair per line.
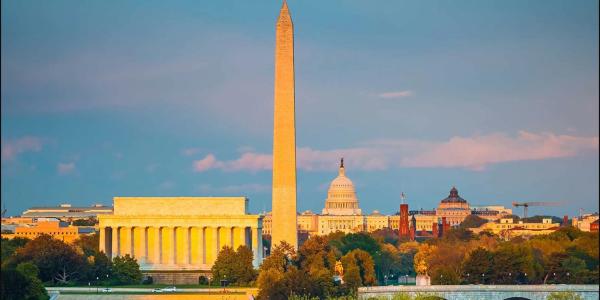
(140,110)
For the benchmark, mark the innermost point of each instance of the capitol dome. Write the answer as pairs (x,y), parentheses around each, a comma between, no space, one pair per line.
(341,196)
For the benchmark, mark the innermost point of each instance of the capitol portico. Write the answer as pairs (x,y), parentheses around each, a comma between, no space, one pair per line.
(177,239)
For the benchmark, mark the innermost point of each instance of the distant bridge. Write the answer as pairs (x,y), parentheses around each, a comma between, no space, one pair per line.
(483,292)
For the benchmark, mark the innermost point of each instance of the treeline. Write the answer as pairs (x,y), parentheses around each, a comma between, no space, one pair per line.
(53,262)
(565,256)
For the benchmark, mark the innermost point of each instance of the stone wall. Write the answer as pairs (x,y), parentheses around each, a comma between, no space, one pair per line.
(483,292)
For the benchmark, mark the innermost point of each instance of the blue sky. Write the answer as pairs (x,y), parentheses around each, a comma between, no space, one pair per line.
(155,98)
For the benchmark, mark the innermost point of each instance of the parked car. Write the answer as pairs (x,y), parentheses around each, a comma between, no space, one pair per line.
(170,289)
(107,290)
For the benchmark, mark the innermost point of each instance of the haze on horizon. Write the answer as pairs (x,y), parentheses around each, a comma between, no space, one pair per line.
(104,99)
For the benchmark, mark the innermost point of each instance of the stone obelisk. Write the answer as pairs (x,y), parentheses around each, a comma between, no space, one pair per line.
(284,135)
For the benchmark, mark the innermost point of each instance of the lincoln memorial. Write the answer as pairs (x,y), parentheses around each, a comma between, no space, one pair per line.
(177,239)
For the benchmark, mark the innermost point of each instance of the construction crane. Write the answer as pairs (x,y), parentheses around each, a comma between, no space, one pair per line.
(528,204)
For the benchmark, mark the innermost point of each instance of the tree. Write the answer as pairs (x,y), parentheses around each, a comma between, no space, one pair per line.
(9,246)
(510,263)
(420,261)
(99,266)
(126,270)
(444,275)
(472,221)
(244,270)
(88,244)
(352,277)
(22,282)
(56,261)
(273,269)
(478,263)
(91,221)
(316,255)
(234,266)
(462,234)
(224,265)
(365,265)
(359,240)
(294,282)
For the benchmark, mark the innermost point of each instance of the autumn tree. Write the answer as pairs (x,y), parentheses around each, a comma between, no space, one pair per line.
(365,264)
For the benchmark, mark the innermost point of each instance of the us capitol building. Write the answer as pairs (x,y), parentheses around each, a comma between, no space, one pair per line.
(342,213)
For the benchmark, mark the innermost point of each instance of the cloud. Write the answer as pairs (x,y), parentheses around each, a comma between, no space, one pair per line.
(397,94)
(65,168)
(478,152)
(248,161)
(230,190)
(12,148)
(472,153)
(190,151)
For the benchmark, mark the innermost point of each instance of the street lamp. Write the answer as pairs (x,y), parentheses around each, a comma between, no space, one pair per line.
(97,284)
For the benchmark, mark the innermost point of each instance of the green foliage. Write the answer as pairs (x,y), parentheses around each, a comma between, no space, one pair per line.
(349,242)
(88,244)
(56,261)
(18,284)
(352,277)
(477,264)
(564,296)
(462,234)
(234,266)
(386,236)
(364,262)
(9,246)
(472,221)
(85,222)
(444,276)
(126,270)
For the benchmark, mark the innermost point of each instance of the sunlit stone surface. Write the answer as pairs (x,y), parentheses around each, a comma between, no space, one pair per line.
(177,239)
(284,135)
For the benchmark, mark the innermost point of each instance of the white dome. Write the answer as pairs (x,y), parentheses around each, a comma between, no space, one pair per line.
(341,196)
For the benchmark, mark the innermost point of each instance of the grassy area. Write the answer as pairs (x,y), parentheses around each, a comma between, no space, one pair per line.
(144,293)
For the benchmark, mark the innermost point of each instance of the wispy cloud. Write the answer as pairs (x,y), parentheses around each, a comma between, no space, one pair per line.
(12,148)
(190,151)
(230,190)
(473,153)
(248,161)
(396,94)
(65,168)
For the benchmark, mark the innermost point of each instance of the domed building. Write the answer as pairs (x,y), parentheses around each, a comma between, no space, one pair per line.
(341,196)
(454,208)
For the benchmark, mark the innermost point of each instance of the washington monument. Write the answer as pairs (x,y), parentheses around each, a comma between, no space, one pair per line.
(284,135)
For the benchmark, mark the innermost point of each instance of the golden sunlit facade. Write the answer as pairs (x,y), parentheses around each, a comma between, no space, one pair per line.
(507,228)
(177,239)
(56,229)
(284,134)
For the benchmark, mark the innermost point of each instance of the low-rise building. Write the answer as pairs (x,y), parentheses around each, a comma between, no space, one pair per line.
(53,227)
(67,212)
(584,222)
(507,228)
